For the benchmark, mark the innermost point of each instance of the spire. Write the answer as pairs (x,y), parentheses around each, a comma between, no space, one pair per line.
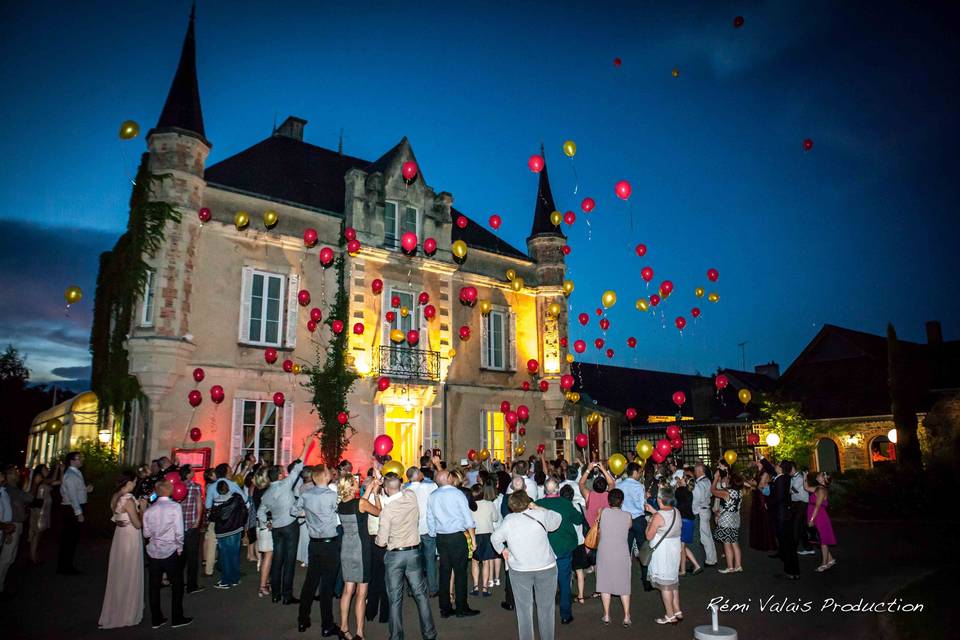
(181,112)
(544,206)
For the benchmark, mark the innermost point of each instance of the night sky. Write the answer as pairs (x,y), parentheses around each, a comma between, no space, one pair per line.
(860,231)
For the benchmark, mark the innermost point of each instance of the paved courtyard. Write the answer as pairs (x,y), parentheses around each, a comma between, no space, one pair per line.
(873,560)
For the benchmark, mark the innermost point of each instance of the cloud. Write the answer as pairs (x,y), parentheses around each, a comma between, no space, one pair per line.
(72,372)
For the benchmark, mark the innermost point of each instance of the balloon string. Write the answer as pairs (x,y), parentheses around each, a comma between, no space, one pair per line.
(576,179)
(589,229)
(183,443)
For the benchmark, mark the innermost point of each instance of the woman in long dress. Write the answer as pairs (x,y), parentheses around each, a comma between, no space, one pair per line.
(41,486)
(123,598)
(663,533)
(355,552)
(613,556)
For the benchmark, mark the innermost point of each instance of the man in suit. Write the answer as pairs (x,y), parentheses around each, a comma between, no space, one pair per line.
(781,505)
(701,511)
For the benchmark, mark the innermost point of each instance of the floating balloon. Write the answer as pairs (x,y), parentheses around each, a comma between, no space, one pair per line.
(657,457)
(570,148)
(721,382)
(535,163)
(196,434)
(579,346)
(241,220)
(598,343)
(631,414)
(641,250)
(807,144)
(679,398)
(554,309)
(462,222)
(616,463)
(556,218)
(608,299)
(698,292)
(279,399)
(583,318)
(604,324)
(676,444)
(519,451)
(641,304)
(532,366)
(680,323)
(647,274)
(350,233)
(270,355)
(383,383)
(569,358)
(525,385)
(395,301)
(393,466)
(459,249)
(464,333)
(404,312)
(567,287)
(713,275)
(343,417)
(511,274)
(73,294)
(623,189)
(569,218)
(673,432)
(129,130)
(544,386)
(588,205)
(644,449)
(287,365)
(484,454)
(377,285)
(326,257)
(270,219)
(523,413)
(195,398)
(713,297)
(631,342)
(753,439)
(204,214)
(358,329)
(429,312)
(390,316)
(471,455)
(495,221)
(744,396)
(409,241)
(609,353)
(730,456)
(517,284)
(451,353)
(695,312)
(396,336)
(566,382)
(337,326)
(413,337)
(485,307)
(582,440)
(510,417)
(353,247)
(303,297)
(666,288)
(217,394)
(738,22)
(179,491)
(617,62)
(54,426)
(675,72)
(297,369)
(565,249)
(429,246)
(574,397)
(541,448)
(409,170)
(382,445)
(654,300)
(663,447)
(594,418)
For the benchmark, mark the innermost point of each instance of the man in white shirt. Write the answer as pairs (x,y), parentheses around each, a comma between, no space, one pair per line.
(74,490)
(573,480)
(800,498)
(428,543)
(701,510)
(163,530)
(7,528)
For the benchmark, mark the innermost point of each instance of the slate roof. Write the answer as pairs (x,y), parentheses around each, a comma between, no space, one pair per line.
(477,235)
(181,111)
(649,392)
(544,206)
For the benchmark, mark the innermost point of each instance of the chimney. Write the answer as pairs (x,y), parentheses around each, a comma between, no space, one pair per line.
(292,127)
(934,332)
(771,370)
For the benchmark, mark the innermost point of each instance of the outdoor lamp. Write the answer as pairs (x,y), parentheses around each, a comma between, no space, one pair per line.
(892,435)
(772,439)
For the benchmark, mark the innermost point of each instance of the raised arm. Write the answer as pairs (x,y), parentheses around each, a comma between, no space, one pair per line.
(582,482)
(606,474)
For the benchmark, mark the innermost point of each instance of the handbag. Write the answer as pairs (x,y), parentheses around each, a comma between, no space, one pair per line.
(645,554)
(592,539)
(813,536)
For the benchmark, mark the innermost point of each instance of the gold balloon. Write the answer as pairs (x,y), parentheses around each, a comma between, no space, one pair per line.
(641,304)
(570,148)
(519,450)
(129,130)
(241,220)
(730,456)
(54,426)
(554,309)
(297,369)
(73,294)
(567,394)
(459,249)
(511,274)
(608,299)
(713,297)
(644,449)
(485,307)
(574,397)
(451,353)
(484,453)
(569,358)
(397,336)
(567,287)
(698,292)
(594,418)
(616,463)
(394,466)
(675,73)
(556,218)
(404,312)
(269,219)
(517,284)
(745,396)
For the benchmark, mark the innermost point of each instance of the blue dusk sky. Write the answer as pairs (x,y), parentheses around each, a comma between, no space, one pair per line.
(859,231)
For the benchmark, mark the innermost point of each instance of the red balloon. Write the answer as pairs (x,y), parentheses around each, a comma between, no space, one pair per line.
(395,302)
(569,217)
(676,444)
(337,326)
(358,329)
(647,274)
(196,434)
(464,333)
(617,62)
(409,170)
(680,322)
(409,241)
(541,448)
(522,431)
(582,440)
(679,398)
(382,445)
(579,346)
(343,417)
(631,342)
(695,312)
(598,343)
(429,246)
(544,386)
(423,298)
(654,299)
(303,297)
(270,355)
(738,22)
(377,285)
(641,249)
(198,375)
(511,428)
(390,316)
(532,366)
(383,383)
(429,312)
(583,318)
(204,214)
(350,233)
(173,476)
(216,394)
(721,382)
(713,275)
(504,406)
(279,399)
(753,439)
(179,491)
(631,413)
(309,237)
(469,296)
(588,205)
(666,288)
(462,222)
(413,337)
(657,457)
(599,311)
(287,366)
(311,326)
(623,190)
(195,398)
(609,353)
(535,163)
(563,342)
(316,315)
(523,413)
(673,432)
(495,221)
(663,447)
(604,324)
(472,455)
(353,247)
(566,382)
(525,385)
(326,256)
(510,417)
(565,249)
(807,144)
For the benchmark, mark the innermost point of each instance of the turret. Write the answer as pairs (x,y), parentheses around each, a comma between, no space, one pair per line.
(546,240)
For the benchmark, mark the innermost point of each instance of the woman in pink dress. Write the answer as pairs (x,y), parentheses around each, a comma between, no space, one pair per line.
(123,599)
(818,484)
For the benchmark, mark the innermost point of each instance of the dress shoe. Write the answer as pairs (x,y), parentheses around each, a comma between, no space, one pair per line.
(275,597)
(332,632)
(182,623)
(467,611)
(566,620)
(507,606)
(291,600)
(446,613)
(303,625)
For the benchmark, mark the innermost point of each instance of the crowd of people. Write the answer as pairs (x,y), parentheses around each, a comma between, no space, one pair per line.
(536,528)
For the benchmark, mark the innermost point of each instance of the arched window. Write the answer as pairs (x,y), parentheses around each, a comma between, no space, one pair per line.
(828,456)
(882,451)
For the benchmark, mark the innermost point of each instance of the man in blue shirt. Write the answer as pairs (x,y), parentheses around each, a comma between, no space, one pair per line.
(221,470)
(634,497)
(448,517)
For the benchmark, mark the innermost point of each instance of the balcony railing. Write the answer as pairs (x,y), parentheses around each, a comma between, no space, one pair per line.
(406,362)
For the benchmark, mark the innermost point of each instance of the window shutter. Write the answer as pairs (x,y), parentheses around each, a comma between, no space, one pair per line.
(246,279)
(511,331)
(293,307)
(378,417)
(236,432)
(424,328)
(485,341)
(483,428)
(427,431)
(286,439)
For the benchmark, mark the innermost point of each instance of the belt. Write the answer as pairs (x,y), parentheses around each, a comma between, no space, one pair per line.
(325,540)
(416,546)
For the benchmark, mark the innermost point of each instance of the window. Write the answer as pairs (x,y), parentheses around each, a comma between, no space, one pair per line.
(497,344)
(407,300)
(495,436)
(260,428)
(395,226)
(264,318)
(146,319)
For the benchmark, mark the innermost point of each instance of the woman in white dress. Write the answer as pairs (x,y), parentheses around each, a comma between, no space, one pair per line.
(123,598)
(663,533)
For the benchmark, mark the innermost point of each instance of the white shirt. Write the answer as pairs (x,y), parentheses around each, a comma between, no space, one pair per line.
(486,516)
(676,476)
(701,494)
(373,522)
(577,496)
(524,535)
(797,491)
(74,490)
(423,491)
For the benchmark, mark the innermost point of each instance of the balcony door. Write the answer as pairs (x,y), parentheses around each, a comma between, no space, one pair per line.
(404,426)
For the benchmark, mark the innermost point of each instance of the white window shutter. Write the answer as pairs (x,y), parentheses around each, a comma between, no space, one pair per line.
(286,439)
(293,307)
(483,428)
(424,328)
(246,279)
(485,341)
(378,417)
(236,432)
(511,332)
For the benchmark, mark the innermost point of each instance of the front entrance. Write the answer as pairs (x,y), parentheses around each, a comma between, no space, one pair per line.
(828,457)
(403,425)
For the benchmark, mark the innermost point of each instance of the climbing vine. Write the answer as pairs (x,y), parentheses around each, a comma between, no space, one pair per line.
(330,382)
(121,279)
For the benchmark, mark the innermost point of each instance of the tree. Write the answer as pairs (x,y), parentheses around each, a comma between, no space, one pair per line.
(797,433)
(13,370)
(903,403)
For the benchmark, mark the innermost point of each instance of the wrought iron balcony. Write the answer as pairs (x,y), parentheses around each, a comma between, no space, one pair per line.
(409,363)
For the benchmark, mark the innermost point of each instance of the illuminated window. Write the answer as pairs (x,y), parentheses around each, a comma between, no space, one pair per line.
(498,347)
(395,226)
(146,319)
(495,342)
(495,436)
(261,422)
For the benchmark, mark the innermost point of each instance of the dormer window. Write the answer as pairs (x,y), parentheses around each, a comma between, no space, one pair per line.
(398,219)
